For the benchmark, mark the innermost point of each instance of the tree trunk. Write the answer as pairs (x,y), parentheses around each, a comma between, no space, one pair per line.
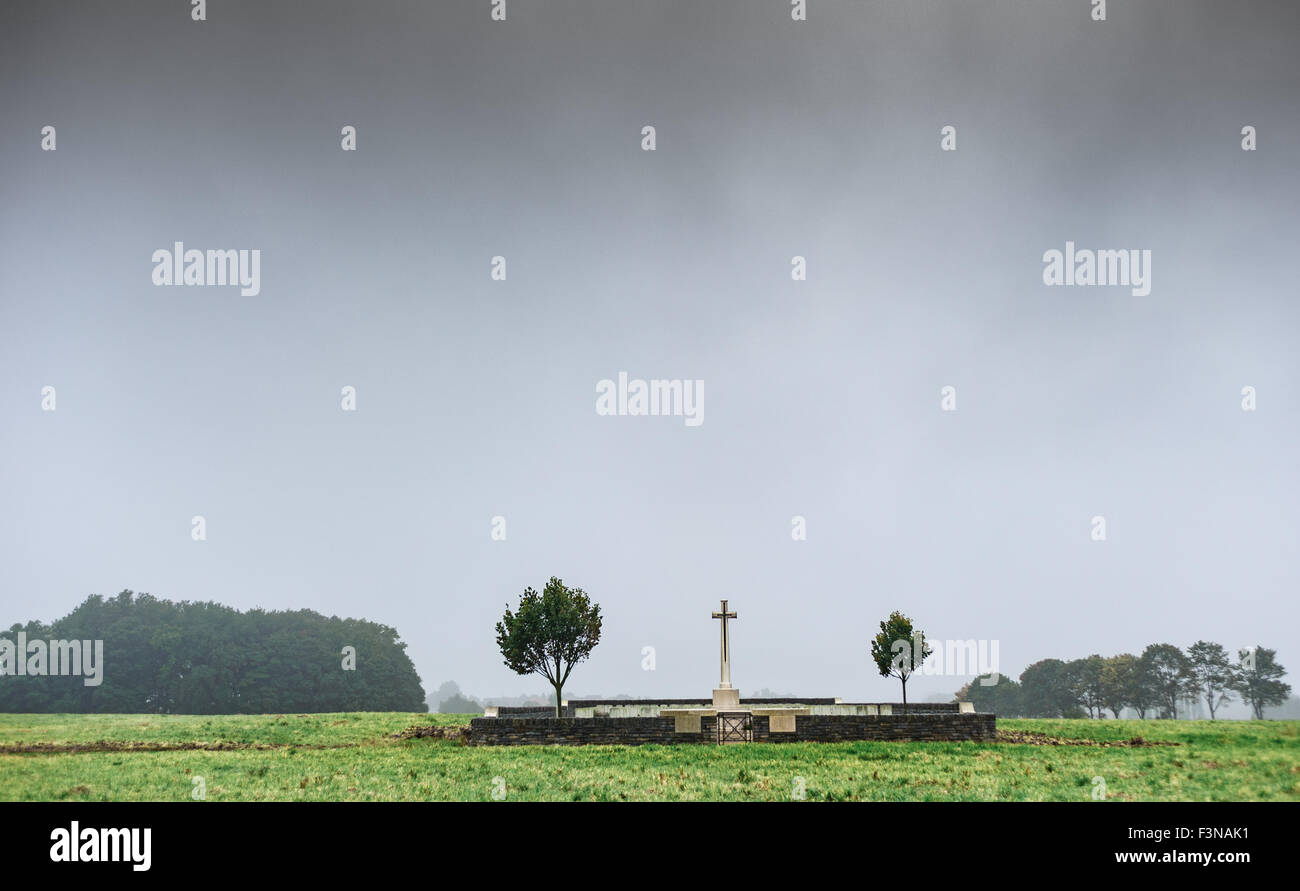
(904,680)
(558,710)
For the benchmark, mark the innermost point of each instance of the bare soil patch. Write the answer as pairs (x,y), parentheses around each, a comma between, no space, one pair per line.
(108,745)
(1042,739)
(457,732)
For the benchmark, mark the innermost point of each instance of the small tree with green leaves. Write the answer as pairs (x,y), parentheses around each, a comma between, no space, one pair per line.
(1047,690)
(1084,677)
(550,633)
(1212,671)
(1168,673)
(899,649)
(994,693)
(1117,681)
(1259,680)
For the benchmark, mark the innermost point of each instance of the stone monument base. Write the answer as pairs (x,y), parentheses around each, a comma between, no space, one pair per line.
(726,699)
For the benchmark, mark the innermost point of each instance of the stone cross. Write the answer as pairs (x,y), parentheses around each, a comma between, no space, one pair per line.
(726,647)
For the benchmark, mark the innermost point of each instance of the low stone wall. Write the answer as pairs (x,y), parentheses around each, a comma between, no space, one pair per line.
(650,708)
(889,708)
(581,731)
(540,731)
(920,708)
(534,711)
(920,727)
(679,703)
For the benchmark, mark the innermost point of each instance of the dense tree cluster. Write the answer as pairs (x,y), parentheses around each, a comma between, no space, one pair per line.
(204,658)
(1155,684)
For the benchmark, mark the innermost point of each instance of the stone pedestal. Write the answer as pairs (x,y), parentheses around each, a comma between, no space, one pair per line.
(726,699)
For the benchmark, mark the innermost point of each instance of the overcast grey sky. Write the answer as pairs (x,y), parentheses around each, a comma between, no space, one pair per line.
(475,398)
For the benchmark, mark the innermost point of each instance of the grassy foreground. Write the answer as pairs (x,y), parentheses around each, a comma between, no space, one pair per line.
(355,756)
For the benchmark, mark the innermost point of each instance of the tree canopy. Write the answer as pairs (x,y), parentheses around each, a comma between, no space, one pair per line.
(1154,684)
(184,657)
(550,633)
(1259,679)
(899,649)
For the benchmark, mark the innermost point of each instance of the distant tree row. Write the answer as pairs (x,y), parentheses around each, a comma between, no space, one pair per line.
(450,700)
(1153,685)
(205,658)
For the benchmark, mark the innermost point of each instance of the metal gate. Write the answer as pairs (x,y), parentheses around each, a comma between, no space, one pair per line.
(735,727)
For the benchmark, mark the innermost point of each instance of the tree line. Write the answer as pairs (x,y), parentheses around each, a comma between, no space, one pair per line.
(553,630)
(205,658)
(1154,684)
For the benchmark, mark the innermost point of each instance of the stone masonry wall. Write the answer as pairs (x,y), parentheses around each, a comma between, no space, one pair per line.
(679,703)
(926,727)
(538,711)
(580,731)
(548,711)
(541,731)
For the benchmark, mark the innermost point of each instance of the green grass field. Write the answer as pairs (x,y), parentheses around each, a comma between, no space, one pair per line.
(354,756)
